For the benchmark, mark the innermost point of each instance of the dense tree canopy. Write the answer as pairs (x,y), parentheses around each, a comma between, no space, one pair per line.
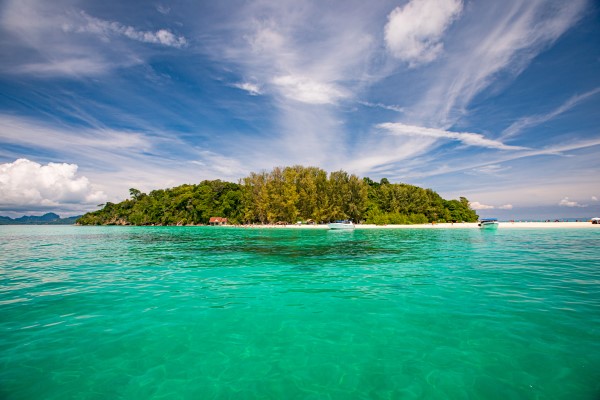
(287,195)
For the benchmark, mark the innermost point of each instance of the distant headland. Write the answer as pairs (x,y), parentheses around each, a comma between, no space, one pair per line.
(46,219)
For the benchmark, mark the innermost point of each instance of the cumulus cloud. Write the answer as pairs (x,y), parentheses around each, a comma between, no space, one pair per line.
(467,138)
(475,205)
(25,184)
(594,198)
(506,207)
(569,203)
(309,91)
(103,28)
(252,88)
(414,31)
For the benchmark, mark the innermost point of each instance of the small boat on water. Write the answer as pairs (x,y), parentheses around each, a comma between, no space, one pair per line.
(488,223)
(341,225)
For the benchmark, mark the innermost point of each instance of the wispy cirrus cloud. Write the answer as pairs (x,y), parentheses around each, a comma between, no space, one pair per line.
(491,169)
(395,108)
(23,132)
(56,39)
(83,23)
(505,37)
(486,43)
(163,9)
(534,120)
(252,88)
(309,60)
(466,138)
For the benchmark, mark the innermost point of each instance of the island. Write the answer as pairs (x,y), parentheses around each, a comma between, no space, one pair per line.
(285,195)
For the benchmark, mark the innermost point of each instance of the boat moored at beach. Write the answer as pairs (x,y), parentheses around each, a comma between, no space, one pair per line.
(488,223)
(338,225)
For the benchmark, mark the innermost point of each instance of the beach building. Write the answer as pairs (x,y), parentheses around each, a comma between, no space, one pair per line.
(217,221)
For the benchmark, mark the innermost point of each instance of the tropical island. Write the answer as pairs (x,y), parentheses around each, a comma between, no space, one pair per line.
(285,195)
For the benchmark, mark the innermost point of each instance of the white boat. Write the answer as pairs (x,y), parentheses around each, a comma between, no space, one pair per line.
(488,223)
(595,220)
(341,225)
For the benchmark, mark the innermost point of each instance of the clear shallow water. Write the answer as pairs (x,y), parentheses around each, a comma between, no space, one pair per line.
(177,312)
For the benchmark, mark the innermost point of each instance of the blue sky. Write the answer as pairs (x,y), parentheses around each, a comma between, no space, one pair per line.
(495,101)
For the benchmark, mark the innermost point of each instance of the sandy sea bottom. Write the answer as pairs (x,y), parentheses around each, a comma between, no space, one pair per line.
(200,312)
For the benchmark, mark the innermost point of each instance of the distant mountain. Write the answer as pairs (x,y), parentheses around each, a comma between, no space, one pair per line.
(46,219)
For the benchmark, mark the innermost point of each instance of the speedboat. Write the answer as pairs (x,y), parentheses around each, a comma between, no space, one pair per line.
(341,225)
(488,223)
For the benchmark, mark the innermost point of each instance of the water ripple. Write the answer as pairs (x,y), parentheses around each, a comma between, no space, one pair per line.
(156,312)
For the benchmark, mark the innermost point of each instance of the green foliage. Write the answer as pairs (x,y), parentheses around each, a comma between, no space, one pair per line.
(182,205)
(285,194)
(459,210)
(407,204)
(301,193)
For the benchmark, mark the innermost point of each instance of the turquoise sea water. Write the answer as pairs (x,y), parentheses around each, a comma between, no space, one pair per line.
(226,313)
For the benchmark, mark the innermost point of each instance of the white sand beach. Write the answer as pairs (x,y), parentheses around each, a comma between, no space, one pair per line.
(469,225)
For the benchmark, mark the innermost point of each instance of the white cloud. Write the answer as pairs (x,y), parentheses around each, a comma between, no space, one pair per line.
(104,28)
(594,198)
(475,205)
(569,203)
(414,31)
(491,169)
(397,109)
(118,160)
(69,66)
(309,91)
(252,88)
(469,139)
(27,184)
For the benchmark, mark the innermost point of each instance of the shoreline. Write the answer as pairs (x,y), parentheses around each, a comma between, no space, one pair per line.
(447,225)
(459,225)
